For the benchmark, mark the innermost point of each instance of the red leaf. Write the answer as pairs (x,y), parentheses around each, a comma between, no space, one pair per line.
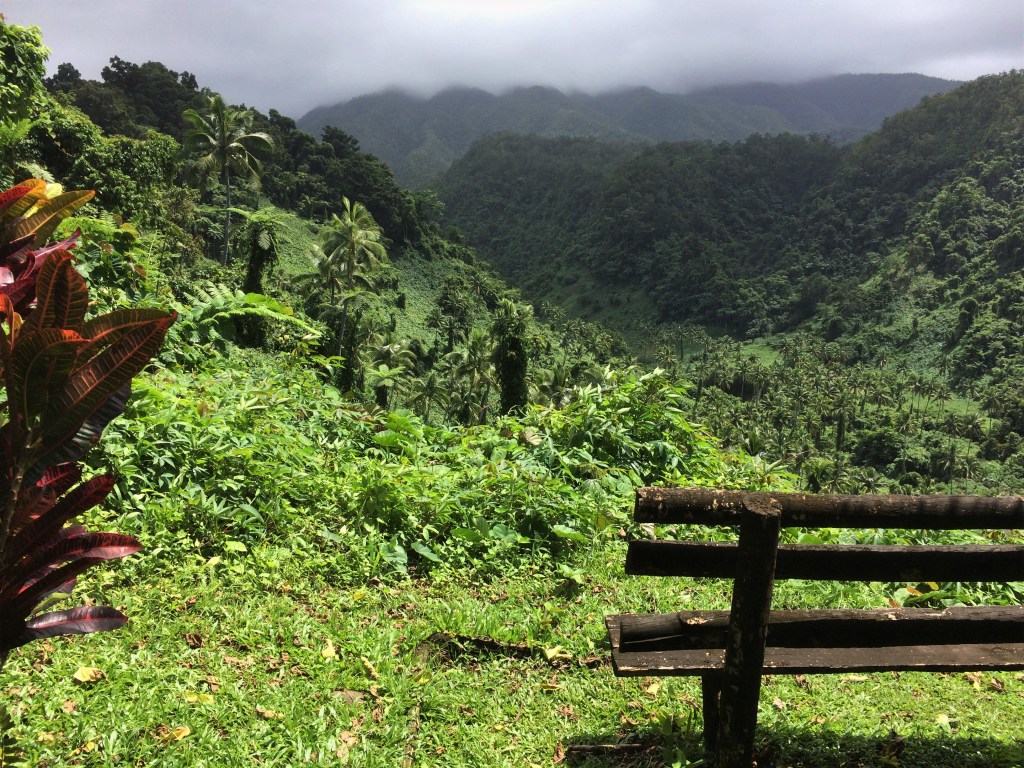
(71,545)
(39,497)
(76,621)
(40,364)
(79,621)
(18,199)
(62,297)
(43,221)
(78,554)
(96,380)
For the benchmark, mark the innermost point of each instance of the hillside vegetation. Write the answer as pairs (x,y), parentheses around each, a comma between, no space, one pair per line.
(383,502)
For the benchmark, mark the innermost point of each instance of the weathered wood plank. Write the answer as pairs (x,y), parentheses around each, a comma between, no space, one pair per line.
(975,657)
(828,628)
(851,562)
(717,507)
(748,628)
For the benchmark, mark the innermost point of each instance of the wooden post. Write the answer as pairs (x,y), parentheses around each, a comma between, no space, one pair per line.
(748,627)
(710,687)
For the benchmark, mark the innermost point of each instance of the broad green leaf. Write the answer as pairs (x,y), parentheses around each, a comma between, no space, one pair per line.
(565,532)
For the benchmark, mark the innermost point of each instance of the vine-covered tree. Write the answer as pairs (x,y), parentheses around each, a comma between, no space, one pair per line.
(510,353)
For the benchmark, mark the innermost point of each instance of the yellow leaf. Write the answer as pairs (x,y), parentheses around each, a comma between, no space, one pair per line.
(653,688)
(424,678)
(88,674)
(328,651)
(166,736)
(45,737)
(370,669)
(192,697)
(553,654)
(268,714)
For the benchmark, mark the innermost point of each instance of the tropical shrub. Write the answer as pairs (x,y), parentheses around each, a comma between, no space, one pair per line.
(64,378)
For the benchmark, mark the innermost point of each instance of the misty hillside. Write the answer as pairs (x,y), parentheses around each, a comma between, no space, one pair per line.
(419,138)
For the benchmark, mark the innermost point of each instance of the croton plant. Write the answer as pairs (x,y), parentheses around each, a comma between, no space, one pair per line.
(64,379)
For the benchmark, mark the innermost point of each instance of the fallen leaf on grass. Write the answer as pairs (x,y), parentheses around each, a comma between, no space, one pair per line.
(555,654)
(856,679)
(328,651)
(944,723)
(350,697)
(997,685)
(370,669)
(559,755)
(779,703)
(88,674)
(653,688)
(192,697)
(268,714)
(167,735)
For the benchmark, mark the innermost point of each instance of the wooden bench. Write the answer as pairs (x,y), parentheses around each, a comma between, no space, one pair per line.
(731,650)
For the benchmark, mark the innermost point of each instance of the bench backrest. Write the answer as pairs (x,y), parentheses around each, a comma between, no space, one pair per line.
(997,562)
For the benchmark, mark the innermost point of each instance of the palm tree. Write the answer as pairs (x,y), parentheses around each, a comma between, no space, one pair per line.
(383,379)
(218,143)
(427,392)
(351,247)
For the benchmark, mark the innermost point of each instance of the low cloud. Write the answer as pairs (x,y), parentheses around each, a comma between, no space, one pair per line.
(294,56)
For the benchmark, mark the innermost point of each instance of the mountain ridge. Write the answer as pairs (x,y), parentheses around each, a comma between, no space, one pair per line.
(419,137)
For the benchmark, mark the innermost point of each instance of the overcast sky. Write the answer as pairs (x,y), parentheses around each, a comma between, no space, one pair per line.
(296,55)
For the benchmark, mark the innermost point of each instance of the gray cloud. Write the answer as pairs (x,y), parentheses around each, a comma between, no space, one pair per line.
(294,56)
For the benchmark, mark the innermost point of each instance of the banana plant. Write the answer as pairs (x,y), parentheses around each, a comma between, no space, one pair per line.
(64,379)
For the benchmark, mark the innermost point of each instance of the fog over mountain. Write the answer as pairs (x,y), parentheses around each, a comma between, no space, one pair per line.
(294,57)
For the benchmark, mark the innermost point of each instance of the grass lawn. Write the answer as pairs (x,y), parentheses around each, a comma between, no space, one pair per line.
(227,664)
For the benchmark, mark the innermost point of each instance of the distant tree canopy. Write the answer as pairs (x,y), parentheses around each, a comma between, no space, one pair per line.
(751,236)
(304,174)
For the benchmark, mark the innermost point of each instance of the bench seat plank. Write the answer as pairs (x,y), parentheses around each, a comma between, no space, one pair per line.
(834,628)
(921,658)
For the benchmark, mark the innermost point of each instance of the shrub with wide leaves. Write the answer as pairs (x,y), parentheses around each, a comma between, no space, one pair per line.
(64,379)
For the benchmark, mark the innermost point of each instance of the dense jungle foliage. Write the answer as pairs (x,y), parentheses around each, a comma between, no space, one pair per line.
(890,262)
(359,449)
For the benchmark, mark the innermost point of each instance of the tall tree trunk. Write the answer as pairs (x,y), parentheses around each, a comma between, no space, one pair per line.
(227,216)
(341,326)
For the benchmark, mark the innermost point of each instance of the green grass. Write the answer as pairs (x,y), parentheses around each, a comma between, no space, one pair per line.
(279,667)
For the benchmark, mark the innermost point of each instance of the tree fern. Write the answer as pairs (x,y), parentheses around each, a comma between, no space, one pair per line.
(212,315)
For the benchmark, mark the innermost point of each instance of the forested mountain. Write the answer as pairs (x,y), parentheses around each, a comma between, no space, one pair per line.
(419,138)
(753,234)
